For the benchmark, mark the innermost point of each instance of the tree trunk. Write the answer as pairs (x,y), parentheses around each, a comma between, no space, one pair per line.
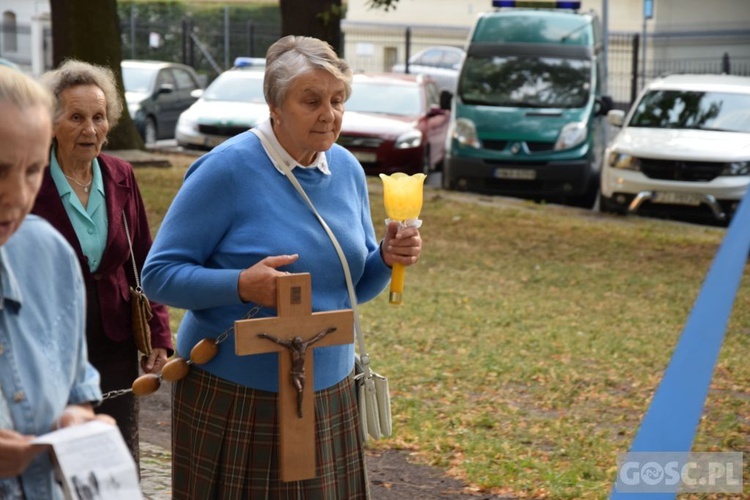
(90,31)
(317,18)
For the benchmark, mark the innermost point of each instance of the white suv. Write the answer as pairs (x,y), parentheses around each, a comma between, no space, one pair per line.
(683,150)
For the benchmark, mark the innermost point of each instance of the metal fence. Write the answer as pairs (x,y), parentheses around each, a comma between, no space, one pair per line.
(208,46)
(622,67)
(211,47)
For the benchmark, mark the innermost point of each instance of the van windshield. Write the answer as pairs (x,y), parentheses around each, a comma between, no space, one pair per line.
(524,81)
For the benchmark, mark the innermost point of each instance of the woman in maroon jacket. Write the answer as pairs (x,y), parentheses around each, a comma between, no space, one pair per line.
(84,194)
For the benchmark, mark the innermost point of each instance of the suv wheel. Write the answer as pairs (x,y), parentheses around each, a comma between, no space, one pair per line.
(149,135)
(607,206)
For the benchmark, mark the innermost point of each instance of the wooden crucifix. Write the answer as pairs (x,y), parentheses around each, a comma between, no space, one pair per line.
(293,334)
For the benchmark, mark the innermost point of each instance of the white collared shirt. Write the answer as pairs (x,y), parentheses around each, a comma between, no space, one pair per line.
(266,129)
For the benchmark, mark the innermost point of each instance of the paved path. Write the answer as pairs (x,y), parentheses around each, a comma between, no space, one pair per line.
(156,472)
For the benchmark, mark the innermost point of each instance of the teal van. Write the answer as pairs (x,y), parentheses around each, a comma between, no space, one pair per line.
(528,113)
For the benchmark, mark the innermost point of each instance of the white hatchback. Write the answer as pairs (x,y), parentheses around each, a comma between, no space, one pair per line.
(232,104)
(683,150)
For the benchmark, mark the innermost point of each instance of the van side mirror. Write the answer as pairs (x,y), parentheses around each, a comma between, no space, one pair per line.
(445,99)
(605,104)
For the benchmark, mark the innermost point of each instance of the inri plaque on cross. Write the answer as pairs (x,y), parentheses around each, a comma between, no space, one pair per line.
(293,334)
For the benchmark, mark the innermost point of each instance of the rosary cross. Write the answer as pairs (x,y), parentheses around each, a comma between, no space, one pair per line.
(284,335)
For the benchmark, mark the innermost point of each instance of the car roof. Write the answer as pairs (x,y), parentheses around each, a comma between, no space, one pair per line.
(147,63)
(249,75)
(705,83)
(557,25)
(251,63)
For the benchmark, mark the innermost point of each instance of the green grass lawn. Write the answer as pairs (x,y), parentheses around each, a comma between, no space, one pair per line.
(532,337)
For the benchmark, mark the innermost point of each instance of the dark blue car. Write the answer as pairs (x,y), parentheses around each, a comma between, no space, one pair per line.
(157,92)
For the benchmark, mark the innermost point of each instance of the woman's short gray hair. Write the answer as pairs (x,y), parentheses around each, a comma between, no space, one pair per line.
(73,73)
(293,56)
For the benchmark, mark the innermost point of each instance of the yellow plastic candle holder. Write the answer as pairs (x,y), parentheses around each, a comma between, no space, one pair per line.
(402,195)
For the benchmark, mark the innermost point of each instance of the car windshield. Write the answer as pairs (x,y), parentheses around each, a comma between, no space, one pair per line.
(534,82)
(137,79)
(387,99)
(721,111)
(237,89)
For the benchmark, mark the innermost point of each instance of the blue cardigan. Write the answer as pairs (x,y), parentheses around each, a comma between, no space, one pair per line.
(233,210)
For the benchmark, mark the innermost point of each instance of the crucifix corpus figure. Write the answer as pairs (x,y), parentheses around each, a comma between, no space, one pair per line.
(285,335)
(297,349)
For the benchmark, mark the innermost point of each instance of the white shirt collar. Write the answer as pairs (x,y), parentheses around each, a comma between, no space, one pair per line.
(266,129)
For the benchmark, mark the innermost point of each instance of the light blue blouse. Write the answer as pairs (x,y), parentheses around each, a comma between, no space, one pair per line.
(90,223)
(43,359)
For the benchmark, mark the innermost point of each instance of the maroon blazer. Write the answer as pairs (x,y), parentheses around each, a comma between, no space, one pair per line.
(114,277)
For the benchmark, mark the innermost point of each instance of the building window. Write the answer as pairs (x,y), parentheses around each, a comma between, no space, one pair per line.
(10,33)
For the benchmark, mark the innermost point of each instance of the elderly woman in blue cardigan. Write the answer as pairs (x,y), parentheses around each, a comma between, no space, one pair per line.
(236,224)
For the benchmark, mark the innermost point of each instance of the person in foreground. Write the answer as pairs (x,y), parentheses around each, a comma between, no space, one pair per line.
(46,381)
(84,194)
(238,223)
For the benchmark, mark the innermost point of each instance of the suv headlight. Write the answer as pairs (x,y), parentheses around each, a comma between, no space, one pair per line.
(623,161)
(737,168)
(571,135)
(465,133)
(410,139)
(186,121)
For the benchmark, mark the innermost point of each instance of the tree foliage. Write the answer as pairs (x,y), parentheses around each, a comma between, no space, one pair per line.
(386,5)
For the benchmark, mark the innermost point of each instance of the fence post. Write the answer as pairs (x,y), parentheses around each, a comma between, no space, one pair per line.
(188,53)
(725,63)
(250,38)
(226,37)
(634,72)
(185,38)
(132,30)
(408,49)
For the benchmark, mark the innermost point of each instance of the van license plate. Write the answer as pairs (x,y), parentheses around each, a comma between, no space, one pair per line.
(678,198)
(515,173)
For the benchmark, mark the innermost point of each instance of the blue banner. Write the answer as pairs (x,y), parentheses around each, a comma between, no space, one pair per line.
(673,416)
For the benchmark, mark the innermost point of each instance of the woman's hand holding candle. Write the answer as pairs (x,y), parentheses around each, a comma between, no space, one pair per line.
(402,195)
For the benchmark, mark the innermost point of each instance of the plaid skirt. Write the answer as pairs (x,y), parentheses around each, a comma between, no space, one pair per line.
(225,443)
